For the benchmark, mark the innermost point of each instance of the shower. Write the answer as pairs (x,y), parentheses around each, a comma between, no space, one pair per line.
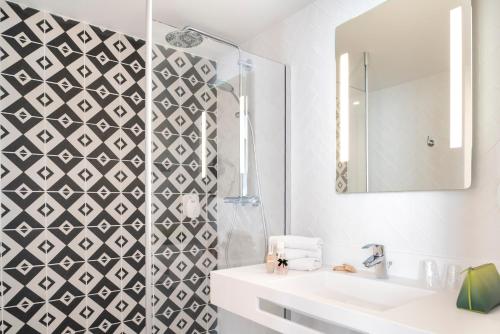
(189,37)
(112,190)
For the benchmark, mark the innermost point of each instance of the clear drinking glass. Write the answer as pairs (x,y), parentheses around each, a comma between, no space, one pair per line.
(453,276)
(431,277)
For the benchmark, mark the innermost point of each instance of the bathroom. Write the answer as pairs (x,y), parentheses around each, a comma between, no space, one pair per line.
(161,161)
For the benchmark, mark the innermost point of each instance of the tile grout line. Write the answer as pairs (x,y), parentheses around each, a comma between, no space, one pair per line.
(75,262)
(120,90)
(1,254)
(156,163)
(46,233)
(132,97)
(86,235)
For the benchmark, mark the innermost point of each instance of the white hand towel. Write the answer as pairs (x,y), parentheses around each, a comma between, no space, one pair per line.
(306,264)
(292,254)
(296,242)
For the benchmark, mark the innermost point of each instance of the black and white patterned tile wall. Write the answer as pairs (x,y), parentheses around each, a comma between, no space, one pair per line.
(184,248)
(72,180)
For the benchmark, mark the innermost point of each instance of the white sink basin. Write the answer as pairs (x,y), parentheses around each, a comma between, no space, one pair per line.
(355,289)
(358,302)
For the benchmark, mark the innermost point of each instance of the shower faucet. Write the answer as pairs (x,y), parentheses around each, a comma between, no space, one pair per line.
(377,260)
(243,200)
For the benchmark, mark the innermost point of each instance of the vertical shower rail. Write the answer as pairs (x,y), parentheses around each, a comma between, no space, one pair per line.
(148,169)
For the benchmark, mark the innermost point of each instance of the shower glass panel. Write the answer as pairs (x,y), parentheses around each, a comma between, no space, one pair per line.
(218,177)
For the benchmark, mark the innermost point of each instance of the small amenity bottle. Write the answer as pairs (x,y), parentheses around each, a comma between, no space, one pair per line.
(281,261)
(270,259)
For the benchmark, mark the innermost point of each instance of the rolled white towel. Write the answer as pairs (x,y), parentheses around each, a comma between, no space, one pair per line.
(305,264)
(297,242)
(292,254)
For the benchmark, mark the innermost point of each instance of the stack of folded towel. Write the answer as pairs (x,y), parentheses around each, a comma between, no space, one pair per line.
(302,253)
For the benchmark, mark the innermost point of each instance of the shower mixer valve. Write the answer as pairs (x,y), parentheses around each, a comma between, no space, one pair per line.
(243,200)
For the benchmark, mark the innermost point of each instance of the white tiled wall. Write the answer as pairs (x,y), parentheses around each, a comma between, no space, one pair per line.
(461,226)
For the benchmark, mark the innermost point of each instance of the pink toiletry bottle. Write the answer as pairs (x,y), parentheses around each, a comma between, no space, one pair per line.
(270,259)
(281,261)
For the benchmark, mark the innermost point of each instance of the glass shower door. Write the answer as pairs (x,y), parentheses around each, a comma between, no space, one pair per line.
(196,131)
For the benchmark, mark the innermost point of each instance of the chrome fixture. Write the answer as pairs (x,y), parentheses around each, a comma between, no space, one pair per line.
(430,141)
(243,200)
(201,33)
(184,39)
(377,260)
(227,87)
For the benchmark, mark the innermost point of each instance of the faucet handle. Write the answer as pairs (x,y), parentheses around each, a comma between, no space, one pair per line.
(370,246)
(377,249)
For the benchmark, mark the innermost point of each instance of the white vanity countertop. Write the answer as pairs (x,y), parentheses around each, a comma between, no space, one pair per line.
(433,313)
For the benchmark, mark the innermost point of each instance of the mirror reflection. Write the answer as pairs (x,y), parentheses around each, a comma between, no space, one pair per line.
(404,97)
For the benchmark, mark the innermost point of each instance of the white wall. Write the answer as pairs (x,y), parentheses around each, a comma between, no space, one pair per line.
(458,226)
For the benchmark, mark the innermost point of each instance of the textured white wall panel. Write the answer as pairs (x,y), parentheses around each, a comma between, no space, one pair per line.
(461,226)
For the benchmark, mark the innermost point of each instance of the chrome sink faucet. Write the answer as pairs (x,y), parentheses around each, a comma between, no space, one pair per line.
(377,260)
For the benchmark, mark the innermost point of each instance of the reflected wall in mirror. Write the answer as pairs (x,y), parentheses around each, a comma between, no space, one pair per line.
(404,97)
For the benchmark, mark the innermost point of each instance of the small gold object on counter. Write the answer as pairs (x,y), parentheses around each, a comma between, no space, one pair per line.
(345,267)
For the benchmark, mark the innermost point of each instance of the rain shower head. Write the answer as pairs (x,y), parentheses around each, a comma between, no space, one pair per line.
(189,37)
(184,38)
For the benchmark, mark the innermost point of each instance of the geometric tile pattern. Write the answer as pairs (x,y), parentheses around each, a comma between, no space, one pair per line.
(72,113)
(184,249)
(72,176)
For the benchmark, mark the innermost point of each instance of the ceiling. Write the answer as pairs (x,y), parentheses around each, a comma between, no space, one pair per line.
(237,20)
(234,20)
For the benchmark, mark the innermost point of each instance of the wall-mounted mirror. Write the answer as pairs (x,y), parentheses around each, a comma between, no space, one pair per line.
(404,97)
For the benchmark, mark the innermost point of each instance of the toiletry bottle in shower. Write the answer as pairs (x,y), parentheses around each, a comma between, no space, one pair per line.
(281,261)
(270,259)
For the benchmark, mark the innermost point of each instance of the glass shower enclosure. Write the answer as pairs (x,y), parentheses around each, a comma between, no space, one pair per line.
(218,171)
(131,166)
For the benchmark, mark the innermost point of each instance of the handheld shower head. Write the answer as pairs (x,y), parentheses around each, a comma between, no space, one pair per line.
(226,87)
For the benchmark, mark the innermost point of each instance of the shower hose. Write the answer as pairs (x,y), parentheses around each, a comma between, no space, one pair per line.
(233,222)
